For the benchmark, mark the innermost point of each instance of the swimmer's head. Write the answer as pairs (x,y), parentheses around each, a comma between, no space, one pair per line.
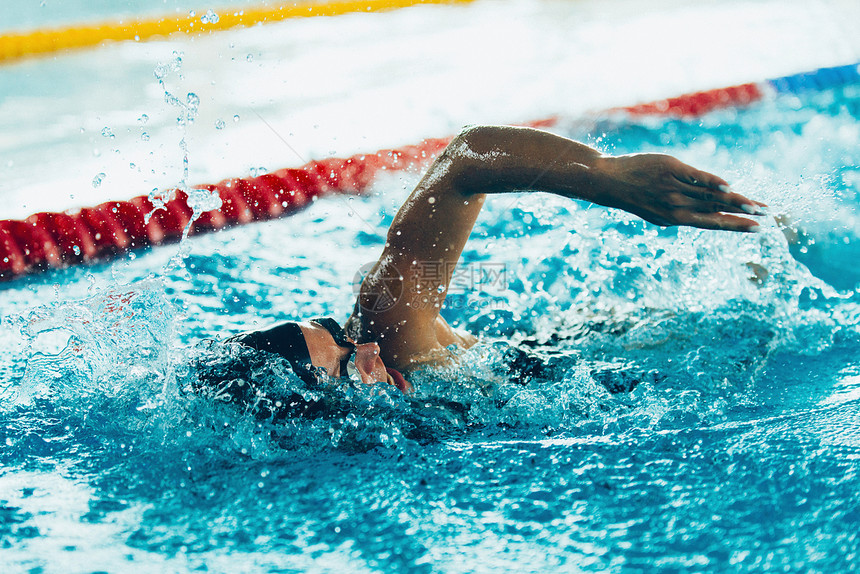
(322,343)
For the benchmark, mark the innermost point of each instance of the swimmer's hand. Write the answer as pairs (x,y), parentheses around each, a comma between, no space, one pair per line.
(665,191)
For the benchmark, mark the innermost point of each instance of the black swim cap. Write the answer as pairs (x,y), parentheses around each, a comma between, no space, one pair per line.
(288,341)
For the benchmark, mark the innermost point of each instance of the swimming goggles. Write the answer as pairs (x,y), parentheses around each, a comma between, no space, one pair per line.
(288,341)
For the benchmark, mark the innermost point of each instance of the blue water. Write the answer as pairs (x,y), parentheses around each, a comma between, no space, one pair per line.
(730,443)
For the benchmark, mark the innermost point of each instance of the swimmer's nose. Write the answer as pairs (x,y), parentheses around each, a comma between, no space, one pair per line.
(368,348)
(369,364)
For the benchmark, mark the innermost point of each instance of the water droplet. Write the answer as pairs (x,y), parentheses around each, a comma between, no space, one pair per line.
(131,165)
(144,137)
(249,57)
(209,17)
(106,132)
(236,118)
(143,118)
(219,124)
(201,200)
(192,13)
(192,99)
(97,180)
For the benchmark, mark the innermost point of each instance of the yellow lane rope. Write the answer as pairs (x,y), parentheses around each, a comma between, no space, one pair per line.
(19,45)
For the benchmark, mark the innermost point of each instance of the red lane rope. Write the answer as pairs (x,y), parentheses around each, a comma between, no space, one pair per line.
(692,105)
(46,240)
(51,240)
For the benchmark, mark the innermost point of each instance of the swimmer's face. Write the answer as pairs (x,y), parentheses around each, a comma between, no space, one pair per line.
(327,354)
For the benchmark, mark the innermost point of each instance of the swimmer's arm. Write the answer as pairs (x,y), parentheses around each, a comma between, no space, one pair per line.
(656,187)
(429,232)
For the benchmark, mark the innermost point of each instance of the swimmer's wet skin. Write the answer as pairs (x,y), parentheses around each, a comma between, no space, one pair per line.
(388,332)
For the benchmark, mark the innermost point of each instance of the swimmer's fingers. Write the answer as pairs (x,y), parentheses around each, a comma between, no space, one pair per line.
(720,221)
(708,188)
(706,205)
(708,199)
(723,196)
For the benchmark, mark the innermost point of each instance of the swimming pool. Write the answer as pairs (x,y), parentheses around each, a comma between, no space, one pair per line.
(736,448)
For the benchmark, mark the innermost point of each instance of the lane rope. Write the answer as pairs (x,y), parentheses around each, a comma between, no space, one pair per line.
(52,240)
(46,240)
(17,45)
(699,103)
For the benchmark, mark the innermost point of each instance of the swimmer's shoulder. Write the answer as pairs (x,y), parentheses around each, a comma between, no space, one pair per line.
(448,335)
(442,353)
(415,348)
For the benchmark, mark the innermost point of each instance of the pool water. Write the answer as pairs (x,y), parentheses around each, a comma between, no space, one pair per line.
(642,400)
(692,404)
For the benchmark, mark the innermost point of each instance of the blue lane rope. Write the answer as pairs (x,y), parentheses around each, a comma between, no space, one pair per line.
(821,79)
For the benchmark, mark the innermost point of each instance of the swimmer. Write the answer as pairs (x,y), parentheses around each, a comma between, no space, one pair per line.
(396,326)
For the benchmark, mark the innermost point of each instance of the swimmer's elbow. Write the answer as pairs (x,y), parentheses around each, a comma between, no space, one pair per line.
(473,143)
(471,158)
